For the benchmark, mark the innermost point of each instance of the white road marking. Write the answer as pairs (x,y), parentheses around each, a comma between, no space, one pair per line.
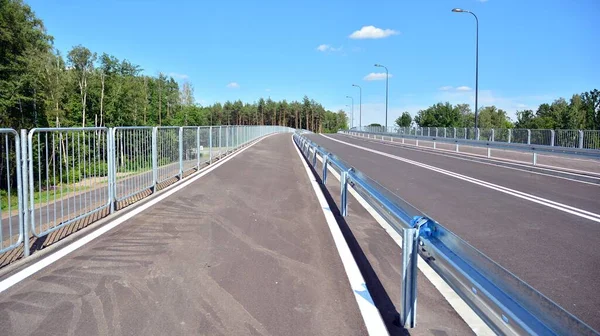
(460,306)
(430,150)
(532,198)
(50,259)
(368,310)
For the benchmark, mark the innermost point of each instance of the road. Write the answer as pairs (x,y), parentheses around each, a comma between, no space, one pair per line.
(544,229)
(243,250)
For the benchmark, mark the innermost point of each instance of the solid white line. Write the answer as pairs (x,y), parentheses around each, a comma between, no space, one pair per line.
(465,157)
(532,198)
(368,310)
(47,261)
(460,306)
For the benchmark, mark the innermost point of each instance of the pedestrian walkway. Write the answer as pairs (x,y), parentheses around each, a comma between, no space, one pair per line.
(243,250)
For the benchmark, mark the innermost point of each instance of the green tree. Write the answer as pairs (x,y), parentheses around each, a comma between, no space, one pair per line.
(439,115)
(405,120)
(492,117)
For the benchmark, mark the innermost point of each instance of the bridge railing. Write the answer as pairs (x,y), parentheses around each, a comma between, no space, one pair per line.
(504,302)
(584,139)
(62,179)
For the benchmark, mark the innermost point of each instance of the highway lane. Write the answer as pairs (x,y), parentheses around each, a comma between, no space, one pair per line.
(580,195)
(553,250)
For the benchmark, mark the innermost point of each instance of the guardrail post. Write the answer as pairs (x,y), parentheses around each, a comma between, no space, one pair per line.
(457,147)
(344,193)
(509,135)
(552,137)
(528,136)
(210,145)
(534,158)
(580,139)
(154,158)
(180,153)
(325,162)
(408,308)
(24,192)
(489,152)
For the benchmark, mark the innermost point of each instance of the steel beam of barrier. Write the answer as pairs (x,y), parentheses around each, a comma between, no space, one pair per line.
(11,227)
(505,303)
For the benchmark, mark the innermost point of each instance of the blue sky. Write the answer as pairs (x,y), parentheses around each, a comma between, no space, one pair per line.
(530,52)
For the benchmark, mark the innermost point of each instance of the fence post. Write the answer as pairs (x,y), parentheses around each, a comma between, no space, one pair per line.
(198,148)
(509,135)
(325,162)
(111,153)
(552,138)
(410,255)
(314,161)
(454,132)
(180,153)
(528,136)
(220,147)
(465,132)
(493,135)
(24,192)
(344,193)
(445,132)
(210,145)
(580,139)
(154,158)
(477,134)
(436,132)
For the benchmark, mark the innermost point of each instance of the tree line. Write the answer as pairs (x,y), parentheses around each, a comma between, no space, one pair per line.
(582,111)
(41,87)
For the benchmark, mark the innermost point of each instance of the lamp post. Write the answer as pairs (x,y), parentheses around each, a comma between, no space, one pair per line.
(458,10)
(359,106)
(352,121)
(387,77)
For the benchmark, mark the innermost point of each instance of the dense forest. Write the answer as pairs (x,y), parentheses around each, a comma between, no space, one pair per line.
(42,87)
(582,111)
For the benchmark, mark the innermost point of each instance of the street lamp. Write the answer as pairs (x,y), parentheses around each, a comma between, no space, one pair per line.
(352,122)
(387,77)
(458,10)
(359,106)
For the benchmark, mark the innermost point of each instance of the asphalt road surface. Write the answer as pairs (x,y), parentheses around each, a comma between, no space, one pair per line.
(548,237)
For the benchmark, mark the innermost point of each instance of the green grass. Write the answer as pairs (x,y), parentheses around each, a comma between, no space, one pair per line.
(38,196)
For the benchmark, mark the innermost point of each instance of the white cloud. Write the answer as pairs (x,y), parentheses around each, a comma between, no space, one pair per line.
(233,85)
(452,88)
(268,90)
(327,47)
(446,88)
(178,76)
(372,32)
(463,88)
(373,76)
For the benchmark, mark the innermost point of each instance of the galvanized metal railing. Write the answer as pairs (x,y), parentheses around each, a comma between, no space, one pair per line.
(532,149)
(53,177)
(505,303)
(11,197)
(585,139)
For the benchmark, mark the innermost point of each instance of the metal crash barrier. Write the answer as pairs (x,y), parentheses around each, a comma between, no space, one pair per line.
(506,304)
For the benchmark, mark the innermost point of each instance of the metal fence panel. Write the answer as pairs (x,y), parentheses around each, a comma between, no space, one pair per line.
(133,161)
(487,134)
(591,139)
(541,137)
(191,148)
(567,138)
(167,142)
(520,136)
(11,198)
(68,176)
